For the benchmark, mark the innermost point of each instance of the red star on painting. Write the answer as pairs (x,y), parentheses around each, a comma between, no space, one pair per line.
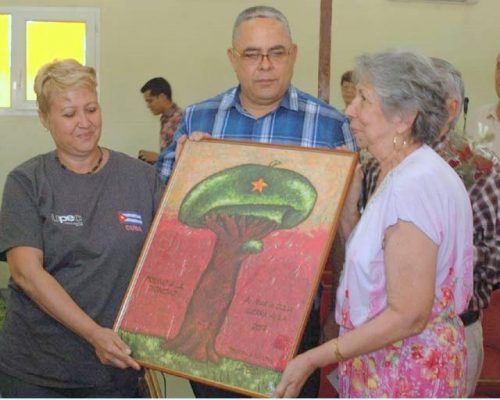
(258,186)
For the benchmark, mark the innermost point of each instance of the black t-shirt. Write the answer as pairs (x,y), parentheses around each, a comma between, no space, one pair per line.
(91,228)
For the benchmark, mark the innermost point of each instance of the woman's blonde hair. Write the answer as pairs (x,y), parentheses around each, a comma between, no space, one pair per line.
(58,76)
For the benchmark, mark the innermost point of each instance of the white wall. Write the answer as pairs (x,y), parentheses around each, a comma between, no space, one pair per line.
(465,35)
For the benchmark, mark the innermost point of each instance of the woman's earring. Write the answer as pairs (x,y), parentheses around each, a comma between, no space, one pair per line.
(398,142)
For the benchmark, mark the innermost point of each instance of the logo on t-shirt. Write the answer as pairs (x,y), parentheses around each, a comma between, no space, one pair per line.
(131,220)
(70,219)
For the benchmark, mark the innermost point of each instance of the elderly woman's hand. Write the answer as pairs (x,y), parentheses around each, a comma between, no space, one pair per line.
(111,350)
(296,373)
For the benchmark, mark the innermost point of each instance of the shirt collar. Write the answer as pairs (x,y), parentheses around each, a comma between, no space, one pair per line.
(171,111)
(232,99)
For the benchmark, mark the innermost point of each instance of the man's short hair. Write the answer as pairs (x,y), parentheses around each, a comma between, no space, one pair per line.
(158,86)
(261,12)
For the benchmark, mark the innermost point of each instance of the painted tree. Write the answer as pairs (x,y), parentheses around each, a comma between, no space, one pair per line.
(241,205)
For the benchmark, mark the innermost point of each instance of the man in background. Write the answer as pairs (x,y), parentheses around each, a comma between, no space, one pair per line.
(158,97)
(265,107)
(347,88)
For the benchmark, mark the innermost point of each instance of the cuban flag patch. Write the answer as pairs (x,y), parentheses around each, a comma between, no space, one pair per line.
(131,220)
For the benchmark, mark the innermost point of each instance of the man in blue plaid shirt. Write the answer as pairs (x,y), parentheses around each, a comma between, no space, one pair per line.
(265,107)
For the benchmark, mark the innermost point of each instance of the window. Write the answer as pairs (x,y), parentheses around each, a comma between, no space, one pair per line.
(4,60)
(33,36)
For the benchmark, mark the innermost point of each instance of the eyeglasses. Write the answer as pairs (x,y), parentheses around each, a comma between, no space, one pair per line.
(252,58)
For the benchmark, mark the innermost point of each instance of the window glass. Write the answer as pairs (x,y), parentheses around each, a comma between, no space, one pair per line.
(5,60)
(46,41)
(33,36)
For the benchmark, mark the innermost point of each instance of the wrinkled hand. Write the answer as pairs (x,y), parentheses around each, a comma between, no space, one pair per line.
(111,350)
(295,375)
(195,136)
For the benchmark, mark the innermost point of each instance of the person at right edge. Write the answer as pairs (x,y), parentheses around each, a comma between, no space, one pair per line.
(408,270)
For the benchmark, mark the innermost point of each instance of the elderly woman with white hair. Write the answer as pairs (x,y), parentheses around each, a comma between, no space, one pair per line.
(408,269)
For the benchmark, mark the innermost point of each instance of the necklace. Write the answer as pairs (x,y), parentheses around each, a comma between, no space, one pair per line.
(94,169)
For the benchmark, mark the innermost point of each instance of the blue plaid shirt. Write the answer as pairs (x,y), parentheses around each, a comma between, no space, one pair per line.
(300,120)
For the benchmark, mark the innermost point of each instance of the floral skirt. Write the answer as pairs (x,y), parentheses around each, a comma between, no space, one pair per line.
(431,364)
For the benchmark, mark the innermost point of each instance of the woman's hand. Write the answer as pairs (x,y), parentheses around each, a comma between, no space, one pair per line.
(27,270)
(295,375)
(111,350)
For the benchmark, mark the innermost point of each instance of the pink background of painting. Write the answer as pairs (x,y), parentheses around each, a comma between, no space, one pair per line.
(274,288)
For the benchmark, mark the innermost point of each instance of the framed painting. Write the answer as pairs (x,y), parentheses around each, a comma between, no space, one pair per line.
(229,271)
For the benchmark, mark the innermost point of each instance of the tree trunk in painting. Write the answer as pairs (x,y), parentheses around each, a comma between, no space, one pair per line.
(241,205)
(215,290)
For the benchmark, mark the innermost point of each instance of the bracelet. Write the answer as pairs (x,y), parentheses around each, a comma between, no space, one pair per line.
(336,351)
